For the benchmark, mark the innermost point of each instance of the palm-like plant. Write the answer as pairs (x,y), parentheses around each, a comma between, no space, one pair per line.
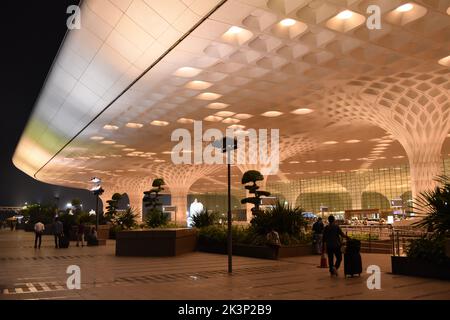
(281,217)
(436,205)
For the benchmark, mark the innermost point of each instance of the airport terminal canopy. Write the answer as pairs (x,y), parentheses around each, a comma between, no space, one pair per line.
(347,91)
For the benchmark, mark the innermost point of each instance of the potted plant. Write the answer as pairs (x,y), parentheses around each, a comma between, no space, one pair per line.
(426,256)
(159,239)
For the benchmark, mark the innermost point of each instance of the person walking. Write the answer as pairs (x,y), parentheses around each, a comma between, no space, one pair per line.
(80,234)
(58,232)
(38,231)
(318,235)
(332,234)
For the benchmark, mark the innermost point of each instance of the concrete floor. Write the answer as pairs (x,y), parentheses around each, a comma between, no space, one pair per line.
(27,273)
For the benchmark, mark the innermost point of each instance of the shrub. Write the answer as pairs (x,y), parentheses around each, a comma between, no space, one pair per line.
(430,248)
(282,218)
(213,234)
(204,219)
(216,234)
(125,219)
(156,218)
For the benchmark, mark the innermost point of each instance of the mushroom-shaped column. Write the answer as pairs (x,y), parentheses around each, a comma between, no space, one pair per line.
(179,179)
(288,146)
(413,107)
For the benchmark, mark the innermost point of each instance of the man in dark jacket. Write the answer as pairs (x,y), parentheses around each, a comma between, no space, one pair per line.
(318,235)
(332,240)
(58,232)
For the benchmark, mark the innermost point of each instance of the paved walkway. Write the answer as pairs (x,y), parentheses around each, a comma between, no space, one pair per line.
(27,273)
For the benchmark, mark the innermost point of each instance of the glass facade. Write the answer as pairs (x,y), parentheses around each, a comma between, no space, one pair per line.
(363,189)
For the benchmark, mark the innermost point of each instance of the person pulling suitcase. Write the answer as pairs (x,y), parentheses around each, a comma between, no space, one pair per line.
(332,243)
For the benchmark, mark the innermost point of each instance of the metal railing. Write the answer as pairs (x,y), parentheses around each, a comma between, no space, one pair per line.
(401,238)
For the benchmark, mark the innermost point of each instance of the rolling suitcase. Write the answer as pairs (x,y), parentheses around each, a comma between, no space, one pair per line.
(352,258)
(64,242)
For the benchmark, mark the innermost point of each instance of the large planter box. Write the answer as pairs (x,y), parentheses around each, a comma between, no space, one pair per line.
(156,242)
(103,231)
(419,268)
(262,252)
(447,247)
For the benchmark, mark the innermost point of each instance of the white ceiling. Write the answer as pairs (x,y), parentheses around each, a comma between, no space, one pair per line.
(354,80)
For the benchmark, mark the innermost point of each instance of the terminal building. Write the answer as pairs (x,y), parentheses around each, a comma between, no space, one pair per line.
(359,96)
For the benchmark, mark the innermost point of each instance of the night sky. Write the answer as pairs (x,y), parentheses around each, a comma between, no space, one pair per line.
(31,33)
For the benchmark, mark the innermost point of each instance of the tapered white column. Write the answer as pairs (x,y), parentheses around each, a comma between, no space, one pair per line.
(425,163)
(179,200)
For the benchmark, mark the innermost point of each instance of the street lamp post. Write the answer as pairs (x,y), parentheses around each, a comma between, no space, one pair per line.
(227,145)
(97,191)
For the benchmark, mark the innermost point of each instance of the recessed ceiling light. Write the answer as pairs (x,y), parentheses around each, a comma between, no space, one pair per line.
(224,113)
(235,30)
(119,146)
(243,116)
(345,160)
(150,153)
(187,72)
(209,96)
(129,149)
(272,114)
(231,120)
(110,127)
(217,105)
(363,159)
(134,125)
(445,61)
(405,7)
(331,142)
(287,22)
(311,161)
(167,152)
(398,157)
(301,111)
(344,15)
(97,138)
(159,160)
(99,157)
(353,141)
(159,123)
(328,160)
(236,127)
(213,118)
(294,162)
(312,172)
(198,85)
(185,120)
(108,142)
